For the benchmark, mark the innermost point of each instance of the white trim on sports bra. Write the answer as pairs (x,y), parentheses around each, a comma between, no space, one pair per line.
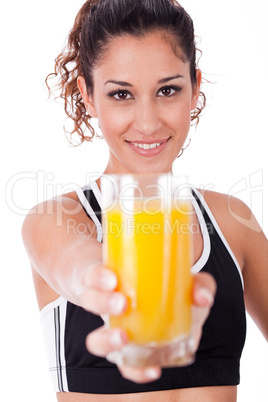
(88,208)
(215,224)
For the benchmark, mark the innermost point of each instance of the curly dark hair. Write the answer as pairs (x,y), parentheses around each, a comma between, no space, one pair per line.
(97,23)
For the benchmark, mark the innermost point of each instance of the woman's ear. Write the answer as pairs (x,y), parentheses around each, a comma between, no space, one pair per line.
(196,89)
(81,83)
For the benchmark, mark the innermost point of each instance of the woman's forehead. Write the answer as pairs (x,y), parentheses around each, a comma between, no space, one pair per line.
(152,51)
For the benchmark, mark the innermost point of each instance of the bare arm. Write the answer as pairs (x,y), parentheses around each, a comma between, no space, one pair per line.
(256,276)
(254,245)
(250,246)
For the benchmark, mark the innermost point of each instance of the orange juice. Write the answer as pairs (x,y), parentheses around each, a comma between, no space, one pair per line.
(151,255)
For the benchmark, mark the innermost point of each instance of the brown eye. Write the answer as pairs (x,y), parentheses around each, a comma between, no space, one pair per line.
(122,95)
(166,91)
(169,91)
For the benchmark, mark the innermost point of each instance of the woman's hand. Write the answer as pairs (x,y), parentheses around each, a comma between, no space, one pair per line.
(101,298)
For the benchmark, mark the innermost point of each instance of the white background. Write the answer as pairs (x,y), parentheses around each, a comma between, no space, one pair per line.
(228,153)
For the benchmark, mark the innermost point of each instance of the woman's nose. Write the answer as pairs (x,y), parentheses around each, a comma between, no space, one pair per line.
(147,119)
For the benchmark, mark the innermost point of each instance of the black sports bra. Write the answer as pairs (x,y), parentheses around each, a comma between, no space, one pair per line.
(66,325)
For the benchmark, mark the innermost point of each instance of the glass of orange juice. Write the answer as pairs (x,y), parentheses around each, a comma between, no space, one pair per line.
(148,244)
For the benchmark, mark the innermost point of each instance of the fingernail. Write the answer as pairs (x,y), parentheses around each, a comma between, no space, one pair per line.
(108,281)
(205,296)
(152,374)
(115,339)
(116,304)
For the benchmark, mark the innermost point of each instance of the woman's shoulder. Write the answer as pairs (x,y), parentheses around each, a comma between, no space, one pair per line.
(62,213)
(71,195)
(64,203)
(230,210)
(236,221)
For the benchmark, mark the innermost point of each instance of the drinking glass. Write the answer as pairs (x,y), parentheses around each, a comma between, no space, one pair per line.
(148,244)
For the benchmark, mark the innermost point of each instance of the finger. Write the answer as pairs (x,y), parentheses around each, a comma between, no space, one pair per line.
(103,340)
(99,302)
(204,289)
(99,277)
(140,375)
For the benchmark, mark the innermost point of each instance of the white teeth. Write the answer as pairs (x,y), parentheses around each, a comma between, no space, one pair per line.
(146,146)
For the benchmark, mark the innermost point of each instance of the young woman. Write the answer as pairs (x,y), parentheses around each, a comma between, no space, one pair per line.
(132,65)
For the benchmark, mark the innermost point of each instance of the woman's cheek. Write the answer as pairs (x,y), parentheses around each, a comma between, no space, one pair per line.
(179,119)
(115,124)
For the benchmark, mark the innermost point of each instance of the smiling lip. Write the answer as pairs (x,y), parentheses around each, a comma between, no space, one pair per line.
(151,147)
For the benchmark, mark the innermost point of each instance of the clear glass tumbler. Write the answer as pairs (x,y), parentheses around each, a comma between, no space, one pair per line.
(148,244)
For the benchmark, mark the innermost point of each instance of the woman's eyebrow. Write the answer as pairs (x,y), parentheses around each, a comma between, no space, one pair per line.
(164,80)
(121,83)
(127,84)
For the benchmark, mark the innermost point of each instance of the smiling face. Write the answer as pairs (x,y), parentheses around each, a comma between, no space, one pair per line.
(143,97)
